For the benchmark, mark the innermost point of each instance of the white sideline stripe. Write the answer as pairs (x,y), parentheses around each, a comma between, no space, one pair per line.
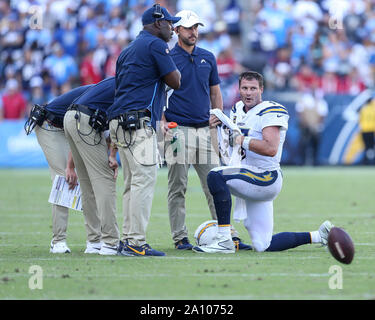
(86,257)
(207,215)
(282,214)
(18,233)
(130,297)
(200,274)
(83,245)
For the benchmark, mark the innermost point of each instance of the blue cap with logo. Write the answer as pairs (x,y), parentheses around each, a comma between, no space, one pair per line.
(157,12)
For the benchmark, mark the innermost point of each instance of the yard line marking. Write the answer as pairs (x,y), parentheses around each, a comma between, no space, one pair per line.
(282,215)
(85,257)
(18,233)
(197,275)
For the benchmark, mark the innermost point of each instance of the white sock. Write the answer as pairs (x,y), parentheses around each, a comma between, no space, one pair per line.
(315,237)
(224,230)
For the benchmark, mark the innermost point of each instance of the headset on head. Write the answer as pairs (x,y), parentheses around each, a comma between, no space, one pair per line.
(158,14)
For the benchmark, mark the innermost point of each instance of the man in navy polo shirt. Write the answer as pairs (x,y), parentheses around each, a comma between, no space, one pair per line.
(55,147)
(189,107)
(142,70)
(85,126)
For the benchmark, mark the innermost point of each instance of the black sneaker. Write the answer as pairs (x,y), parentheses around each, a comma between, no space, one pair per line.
(183,244)
(240,245)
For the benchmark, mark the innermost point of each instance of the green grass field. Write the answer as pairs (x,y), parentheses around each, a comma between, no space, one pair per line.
(346,196)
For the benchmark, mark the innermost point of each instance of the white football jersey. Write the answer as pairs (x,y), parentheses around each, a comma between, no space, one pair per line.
(265,114)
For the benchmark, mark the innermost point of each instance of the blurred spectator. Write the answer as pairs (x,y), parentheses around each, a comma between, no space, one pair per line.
(353,83)
(206,10)
(367,128)
(227,66)
(300,43)
(135,16)
(279,74)
(88,71)
(334,38)
(228,69)
(311,110)
(330,82)
(11,34)
(305,78)
(37,96)
(13,103)
(359,57)
(39,38)
(30,68)
(61,66)
(316,53)
(68,36)
(50,90)
(278,21)
(336,52)
(262,40)
(217,40)
(101,54)
(354,24)
(307,14)
(231,15)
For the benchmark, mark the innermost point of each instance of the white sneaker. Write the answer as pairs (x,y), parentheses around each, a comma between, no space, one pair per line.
(107,250)
(92,247)
(220,244)
(324,230)
(59,247)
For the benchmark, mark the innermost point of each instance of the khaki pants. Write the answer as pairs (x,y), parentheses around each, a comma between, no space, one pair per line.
(195,149)
(138,156)
(98,186)
(56,149)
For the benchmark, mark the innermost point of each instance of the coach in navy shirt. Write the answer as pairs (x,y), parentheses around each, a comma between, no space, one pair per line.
(57,108)
(85,128)
(99,96)
(144,67)
(190,106)
(55,147)
(142,70)
(200,91)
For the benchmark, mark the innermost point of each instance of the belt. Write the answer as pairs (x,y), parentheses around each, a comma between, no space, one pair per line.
(55,120)
(82,108)
(194,125)
(141,113)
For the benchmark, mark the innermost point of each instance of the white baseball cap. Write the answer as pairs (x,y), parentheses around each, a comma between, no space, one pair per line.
(188,19)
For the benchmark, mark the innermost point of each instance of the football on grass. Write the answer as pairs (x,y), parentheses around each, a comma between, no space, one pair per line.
(340,245)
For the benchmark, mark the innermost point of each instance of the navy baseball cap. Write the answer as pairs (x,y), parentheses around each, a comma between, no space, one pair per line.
(148,16)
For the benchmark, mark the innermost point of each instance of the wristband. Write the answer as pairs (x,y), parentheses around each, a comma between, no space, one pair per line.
(246,143)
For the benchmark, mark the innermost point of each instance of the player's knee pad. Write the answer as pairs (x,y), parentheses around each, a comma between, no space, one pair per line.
(217,186)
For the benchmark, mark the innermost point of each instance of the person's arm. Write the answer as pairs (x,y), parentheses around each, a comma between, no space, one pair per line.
(216,97)
(216,102)
(173,79)
(268,146)
(70,173)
